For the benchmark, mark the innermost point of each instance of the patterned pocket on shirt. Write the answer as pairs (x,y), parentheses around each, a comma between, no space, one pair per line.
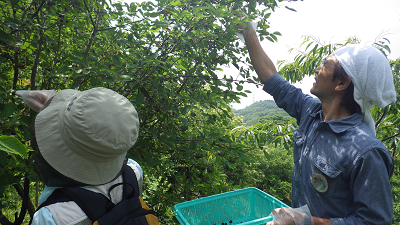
(323,177)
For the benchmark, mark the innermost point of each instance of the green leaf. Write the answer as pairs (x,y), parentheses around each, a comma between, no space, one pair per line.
(12,146)
(8,110)
(175,2)
(185,109)
(239,87)
(3,93)
(193,145)
(269,39)
(2,59)
(130,37)
(236,65)
(6,179)
(25,120)
(73,59)
(139,98)
(116,59)
(291,9)
(252,5)
(4,36)
(213,95)
(152,14)
(274,37)
(184,121)
(198,8)
(3,158)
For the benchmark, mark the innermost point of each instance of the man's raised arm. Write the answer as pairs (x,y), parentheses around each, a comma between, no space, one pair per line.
(259,59)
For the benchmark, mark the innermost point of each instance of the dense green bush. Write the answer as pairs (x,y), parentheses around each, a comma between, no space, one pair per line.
(165,56)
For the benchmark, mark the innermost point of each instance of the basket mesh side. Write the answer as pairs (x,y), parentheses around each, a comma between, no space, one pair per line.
(218,211)
(238,207)
(263,206)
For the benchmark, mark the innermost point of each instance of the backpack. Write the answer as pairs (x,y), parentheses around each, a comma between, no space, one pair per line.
(102,211)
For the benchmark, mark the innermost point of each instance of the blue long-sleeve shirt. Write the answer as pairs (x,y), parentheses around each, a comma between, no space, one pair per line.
(341,170)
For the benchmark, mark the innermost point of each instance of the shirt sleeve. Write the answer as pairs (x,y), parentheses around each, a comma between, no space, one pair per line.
(43,217)
(288,97)
(138,172)
(370,182)
(47,191)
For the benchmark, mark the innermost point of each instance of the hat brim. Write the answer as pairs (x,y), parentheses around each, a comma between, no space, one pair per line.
(58,152)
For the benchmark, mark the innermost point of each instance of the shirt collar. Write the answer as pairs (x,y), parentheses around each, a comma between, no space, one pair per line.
(339,125)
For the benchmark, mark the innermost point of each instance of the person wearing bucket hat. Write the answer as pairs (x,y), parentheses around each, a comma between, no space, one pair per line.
(81,138)
(341,171)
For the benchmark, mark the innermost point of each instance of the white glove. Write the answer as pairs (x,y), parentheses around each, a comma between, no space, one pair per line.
(36,99)
(287,216)
(252,26)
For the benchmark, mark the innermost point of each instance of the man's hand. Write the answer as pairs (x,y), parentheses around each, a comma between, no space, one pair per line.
(36,99)
(262,64)
(246,29)
(287,216)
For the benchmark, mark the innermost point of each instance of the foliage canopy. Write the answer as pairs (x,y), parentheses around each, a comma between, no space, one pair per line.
(163,56)
(166,58)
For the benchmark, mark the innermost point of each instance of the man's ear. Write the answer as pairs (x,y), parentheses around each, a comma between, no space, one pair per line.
(343,84)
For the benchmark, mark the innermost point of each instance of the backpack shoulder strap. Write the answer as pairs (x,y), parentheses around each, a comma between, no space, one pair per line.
(93,204)
(55,197)
(129,177)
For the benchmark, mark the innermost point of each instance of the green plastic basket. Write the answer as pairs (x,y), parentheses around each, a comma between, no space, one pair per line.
(245,206)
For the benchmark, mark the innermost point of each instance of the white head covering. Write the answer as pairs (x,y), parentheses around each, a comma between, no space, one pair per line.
(371,75)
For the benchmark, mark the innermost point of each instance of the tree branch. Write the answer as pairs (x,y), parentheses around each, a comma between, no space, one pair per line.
(183,84)
(35,65)
(90,16)
(380,119)
(39,8)
(4,220)
(16,68)
(19,219)
(390,137)
(55,61)
(33,15)
(95,29)
(26,203)
(24,193)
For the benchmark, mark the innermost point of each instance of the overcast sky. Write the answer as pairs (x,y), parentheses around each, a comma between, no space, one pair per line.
(330,21)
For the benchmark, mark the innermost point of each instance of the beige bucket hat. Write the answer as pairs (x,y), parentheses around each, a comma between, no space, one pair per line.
(86,135)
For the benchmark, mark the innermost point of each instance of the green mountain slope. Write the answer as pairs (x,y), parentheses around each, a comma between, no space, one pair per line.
(261,111)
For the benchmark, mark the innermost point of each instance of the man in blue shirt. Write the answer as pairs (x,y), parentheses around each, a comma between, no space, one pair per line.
(341,170)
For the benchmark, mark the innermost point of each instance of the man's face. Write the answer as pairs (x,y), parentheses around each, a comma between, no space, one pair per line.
(324,86)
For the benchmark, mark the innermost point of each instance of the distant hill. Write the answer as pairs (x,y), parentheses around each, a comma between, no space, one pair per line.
(266,108)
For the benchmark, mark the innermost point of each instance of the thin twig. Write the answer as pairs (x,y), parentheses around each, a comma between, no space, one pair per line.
(380,119)
(39,8)
(90,16)
(387,138)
